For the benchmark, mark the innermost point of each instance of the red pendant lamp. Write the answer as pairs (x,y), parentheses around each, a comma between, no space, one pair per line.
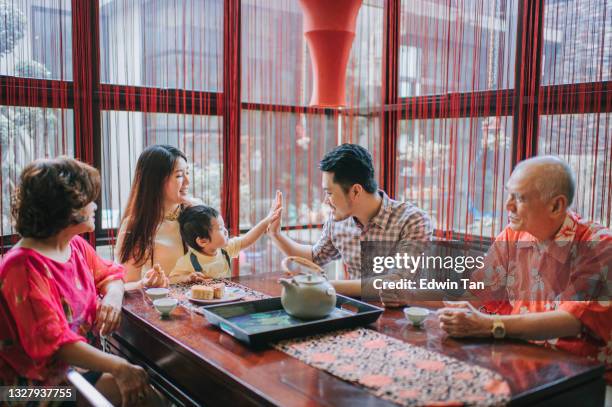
(329,28)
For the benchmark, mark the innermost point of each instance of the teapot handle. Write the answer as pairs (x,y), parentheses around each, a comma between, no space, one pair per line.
(304,262)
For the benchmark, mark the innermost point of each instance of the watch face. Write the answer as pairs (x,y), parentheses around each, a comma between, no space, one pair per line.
(499,331)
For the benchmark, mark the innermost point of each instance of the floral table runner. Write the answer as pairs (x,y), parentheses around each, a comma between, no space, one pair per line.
(398,371)
(387,367)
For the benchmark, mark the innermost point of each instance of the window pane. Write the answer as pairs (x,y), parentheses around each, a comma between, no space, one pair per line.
(275,61)
(456,170)
(276,65)
(28,133)
(448,46)
(577,41)
(585,142)
(364,68)
(175,44)
(364,131)
(126,134)
(36,39)
(282,151)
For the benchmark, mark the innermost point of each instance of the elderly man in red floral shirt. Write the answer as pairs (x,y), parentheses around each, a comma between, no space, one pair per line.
(546,277)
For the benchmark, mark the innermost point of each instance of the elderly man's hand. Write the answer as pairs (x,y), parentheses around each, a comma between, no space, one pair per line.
(461,319)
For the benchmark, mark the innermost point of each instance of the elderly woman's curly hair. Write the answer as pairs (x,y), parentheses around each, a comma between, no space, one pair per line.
(50,195)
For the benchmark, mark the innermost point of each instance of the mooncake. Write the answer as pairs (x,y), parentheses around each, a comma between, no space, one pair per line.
(219,290)
(202,292)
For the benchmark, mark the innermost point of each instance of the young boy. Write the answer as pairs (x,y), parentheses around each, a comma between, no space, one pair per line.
(210,250)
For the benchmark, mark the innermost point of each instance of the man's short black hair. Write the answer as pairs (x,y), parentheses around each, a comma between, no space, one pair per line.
(195,222)
(351,164)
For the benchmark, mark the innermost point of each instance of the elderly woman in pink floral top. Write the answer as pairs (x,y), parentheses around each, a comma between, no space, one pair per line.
(49,287)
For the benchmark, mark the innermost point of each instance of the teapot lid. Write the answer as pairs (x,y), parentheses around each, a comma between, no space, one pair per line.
(309,278)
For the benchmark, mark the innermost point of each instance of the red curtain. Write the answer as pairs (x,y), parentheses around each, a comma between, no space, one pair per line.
(446,94)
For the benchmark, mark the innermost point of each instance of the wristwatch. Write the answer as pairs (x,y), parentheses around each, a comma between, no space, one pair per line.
(499,329)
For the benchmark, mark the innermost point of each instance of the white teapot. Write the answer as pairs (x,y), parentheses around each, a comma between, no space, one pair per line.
(307,295)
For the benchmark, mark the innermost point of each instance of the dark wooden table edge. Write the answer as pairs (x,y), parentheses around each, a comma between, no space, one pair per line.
(188,352)
(534,396)
(175,394)
(542,393)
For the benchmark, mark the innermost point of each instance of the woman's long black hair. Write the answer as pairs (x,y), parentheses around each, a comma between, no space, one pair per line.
(145,208)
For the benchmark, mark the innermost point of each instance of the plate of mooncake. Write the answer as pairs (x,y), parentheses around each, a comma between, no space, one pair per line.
(214,294)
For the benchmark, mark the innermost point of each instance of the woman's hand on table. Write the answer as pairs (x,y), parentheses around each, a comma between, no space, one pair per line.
(132,381)
(461,319)
(155,277)
(108,315)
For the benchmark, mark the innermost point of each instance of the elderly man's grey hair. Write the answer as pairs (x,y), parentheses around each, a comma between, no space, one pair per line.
(552,176)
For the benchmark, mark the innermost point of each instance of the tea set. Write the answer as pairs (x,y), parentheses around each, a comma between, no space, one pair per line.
(162,303)
(305,295)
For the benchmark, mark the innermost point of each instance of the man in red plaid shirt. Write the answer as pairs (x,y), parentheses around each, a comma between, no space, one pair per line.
(360,213)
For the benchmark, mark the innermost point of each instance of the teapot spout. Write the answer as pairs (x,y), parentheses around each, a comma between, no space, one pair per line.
(289,284)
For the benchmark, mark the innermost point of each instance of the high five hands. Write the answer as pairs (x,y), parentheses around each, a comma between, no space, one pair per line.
(275,215)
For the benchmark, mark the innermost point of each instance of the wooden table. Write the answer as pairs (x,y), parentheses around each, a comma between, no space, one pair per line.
(195,363)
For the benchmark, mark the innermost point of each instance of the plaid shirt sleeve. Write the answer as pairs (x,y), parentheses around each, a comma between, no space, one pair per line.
(417,228)
(324,250)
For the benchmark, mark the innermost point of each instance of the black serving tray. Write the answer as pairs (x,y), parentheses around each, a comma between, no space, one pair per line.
(259,322)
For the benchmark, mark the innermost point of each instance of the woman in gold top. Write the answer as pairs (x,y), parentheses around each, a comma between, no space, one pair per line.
(149,240)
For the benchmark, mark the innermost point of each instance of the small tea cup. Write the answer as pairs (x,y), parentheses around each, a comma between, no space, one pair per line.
(165,306)
(157,293)
(416,315)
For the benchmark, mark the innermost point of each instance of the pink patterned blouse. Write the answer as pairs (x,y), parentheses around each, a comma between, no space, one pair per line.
(45,304)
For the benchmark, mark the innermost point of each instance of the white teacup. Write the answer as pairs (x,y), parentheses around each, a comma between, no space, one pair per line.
(165,305)
(416,315)
(157,293)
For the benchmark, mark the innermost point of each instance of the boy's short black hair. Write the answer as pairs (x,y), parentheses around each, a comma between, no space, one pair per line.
(351,164)
(195,222)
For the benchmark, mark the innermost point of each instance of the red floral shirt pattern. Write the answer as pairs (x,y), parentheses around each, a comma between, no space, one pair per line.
(45,304)
(569,273)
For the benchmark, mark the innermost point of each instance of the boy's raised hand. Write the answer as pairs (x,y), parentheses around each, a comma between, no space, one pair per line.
(270,221)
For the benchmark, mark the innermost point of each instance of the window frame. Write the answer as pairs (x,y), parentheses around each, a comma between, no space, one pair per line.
(525,102)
